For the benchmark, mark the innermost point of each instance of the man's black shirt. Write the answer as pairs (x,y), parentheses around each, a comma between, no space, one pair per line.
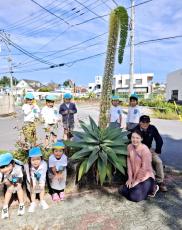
(148,136)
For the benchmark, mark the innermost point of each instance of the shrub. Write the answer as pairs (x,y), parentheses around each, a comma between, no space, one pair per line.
(99,150)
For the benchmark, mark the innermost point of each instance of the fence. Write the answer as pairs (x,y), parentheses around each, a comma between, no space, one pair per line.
(7,106)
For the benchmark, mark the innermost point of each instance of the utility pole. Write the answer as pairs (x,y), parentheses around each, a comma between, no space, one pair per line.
(132,57)
(10,59)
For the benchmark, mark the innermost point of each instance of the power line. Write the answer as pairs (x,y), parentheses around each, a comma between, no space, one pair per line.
(106,5)
(50,12)
(73,46)
(116,4)
(24,51)
(29,19)
(105,15)
(89,9)
(71,52)
(92,56)
(158,39)
(75,14)
(141,3)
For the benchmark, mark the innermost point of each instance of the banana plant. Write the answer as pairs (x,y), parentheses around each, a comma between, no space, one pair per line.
(99,149)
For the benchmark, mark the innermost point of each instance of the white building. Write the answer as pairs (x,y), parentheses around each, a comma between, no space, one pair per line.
(96,87)
(142,83)
(25,86)
(174,86)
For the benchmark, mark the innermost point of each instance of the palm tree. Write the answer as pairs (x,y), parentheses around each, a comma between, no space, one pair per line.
(118,27)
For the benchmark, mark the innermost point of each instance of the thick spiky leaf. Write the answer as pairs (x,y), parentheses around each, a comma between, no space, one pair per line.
(120,151)
(110,133)
(94,126)
(109,171)
(125,133)
(103,156)
(102,168)
(122,160)
(82,153)
(92,158)
(78,134)
(82,169)
(78,144)
(114,143)
(89,140)
(116,164)
(112,157)
(88,130)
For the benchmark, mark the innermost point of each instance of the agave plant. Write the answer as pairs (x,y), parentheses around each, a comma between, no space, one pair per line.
(118,28)
(99,149)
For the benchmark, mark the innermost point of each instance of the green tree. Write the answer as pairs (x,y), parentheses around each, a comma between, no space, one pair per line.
(68,83)
(5,81)
(118,27)
(45,89)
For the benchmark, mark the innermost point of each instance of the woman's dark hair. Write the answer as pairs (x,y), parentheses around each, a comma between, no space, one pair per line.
(137,131)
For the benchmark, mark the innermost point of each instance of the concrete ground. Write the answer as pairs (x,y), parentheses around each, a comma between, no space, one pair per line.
(171,132)
(105,210)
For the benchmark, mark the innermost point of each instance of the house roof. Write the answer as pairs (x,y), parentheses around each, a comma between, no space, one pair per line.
(31,81)
(35,85)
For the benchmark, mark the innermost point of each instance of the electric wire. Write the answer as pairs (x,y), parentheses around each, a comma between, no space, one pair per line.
(95,55)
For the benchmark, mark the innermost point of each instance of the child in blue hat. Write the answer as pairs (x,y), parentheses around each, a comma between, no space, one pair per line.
(11,175)
(115,114)
(49,114)
(31,113)
(67,110)
(36,170)
(57,171)
(134,113)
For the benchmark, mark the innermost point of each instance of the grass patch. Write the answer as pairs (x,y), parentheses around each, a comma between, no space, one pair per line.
(165,115)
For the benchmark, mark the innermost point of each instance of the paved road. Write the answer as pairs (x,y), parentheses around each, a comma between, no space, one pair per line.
(170,130)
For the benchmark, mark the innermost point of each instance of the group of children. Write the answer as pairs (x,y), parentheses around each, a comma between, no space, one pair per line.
(33,176)
(50,116)
(133,115)
(36,173)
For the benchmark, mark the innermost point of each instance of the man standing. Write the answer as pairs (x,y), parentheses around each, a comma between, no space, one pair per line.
(151,133)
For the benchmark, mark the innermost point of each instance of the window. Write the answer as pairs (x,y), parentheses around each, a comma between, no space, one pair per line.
(119,82)
(174,95)
(138,81)
(127,82)
(98,86)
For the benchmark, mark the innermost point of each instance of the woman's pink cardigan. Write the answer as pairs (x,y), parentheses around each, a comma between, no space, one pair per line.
(139,164)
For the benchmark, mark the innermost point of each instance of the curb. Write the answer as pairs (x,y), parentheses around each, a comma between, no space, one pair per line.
(169,169)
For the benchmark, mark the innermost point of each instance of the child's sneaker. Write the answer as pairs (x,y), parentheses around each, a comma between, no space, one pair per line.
(44,205)
(61,194)
(155,190)
(5,213)
(55,197)
(32,207)
(21,210)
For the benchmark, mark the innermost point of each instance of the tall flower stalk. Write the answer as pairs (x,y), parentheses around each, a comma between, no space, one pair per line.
(118,27)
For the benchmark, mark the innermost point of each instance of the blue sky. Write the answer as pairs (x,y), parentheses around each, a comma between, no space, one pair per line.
(39,32)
